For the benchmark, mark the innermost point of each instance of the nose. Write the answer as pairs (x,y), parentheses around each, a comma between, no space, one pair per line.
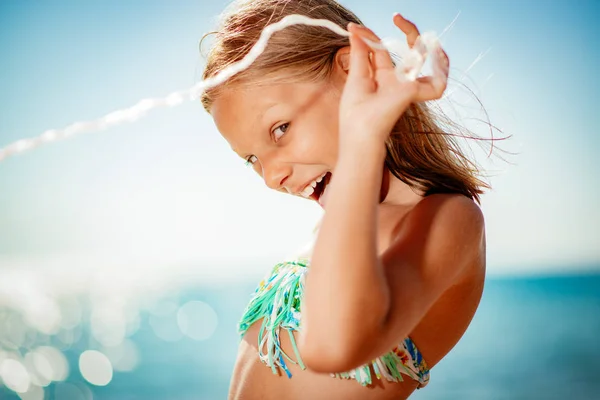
(276,174)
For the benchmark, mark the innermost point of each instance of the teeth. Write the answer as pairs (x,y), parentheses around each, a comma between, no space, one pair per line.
(310,188)
(308,191)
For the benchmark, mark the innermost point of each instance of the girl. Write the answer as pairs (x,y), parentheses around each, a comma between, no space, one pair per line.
(397,267)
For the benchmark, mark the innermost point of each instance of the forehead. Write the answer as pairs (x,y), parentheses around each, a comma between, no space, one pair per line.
(239,111)
(253,100)
(246,104)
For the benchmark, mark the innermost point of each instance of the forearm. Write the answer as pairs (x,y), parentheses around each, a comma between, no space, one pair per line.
(346,292)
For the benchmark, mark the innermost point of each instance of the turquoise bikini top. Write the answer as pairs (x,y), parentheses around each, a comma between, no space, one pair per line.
(277,301)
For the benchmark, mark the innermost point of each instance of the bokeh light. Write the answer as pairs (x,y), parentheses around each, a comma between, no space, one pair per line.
(49,320)
(71,312)
(69,391)
(14,331)
(50,363)
(68,337)
(14,375)
(43,314)
(108,324)
(197,320)
(37,378)
(33,393)
(95,367)
(125,357)
(163,320)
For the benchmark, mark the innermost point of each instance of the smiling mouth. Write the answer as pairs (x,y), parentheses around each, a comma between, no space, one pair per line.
(320,188)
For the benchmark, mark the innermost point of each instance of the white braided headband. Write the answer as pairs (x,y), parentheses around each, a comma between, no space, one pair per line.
(410,67)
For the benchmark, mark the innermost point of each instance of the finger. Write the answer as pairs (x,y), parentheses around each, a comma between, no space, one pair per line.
(441,62)
(381,57)
(433,87)
(409,29)
(359,55)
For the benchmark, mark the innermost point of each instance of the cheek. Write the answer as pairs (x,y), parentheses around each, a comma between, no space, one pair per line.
(316,145)
(316,137)
(328,125)
(328,135)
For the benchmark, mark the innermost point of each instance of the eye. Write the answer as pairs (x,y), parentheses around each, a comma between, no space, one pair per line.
(250,161)
(283,127)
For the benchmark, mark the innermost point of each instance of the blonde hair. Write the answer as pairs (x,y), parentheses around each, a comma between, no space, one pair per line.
(421,151)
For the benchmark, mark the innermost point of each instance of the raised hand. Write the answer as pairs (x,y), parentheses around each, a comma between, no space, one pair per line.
(374,98)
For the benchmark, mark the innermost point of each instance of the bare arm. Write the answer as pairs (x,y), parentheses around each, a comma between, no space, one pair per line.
(346,295)
(358,305)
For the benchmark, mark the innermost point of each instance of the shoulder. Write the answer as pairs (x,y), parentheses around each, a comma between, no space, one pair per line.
(439,243)
(448,213)
(451,211)
(442,230)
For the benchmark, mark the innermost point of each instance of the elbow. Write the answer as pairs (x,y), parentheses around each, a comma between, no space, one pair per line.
(331,356)
(327,362)
(340,344)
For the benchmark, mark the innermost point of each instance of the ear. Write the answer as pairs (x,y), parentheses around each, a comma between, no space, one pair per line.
(342,59)
(341,67)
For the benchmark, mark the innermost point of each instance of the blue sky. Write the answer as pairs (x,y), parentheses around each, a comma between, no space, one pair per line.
(167,188)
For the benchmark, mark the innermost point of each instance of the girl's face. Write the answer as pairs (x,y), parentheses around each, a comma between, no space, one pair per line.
(288,132)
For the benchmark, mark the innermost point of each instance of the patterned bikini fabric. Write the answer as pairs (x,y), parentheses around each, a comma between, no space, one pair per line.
(276,301)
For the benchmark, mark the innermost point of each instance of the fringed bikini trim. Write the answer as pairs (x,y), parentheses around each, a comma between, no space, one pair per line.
(277,301)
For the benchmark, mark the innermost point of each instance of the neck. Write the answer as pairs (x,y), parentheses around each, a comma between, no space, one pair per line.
(394,192)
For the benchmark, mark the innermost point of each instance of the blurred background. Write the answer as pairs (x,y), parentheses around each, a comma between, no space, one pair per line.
(128,255)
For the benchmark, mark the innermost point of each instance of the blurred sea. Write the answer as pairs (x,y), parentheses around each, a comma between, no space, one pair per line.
(532,338)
